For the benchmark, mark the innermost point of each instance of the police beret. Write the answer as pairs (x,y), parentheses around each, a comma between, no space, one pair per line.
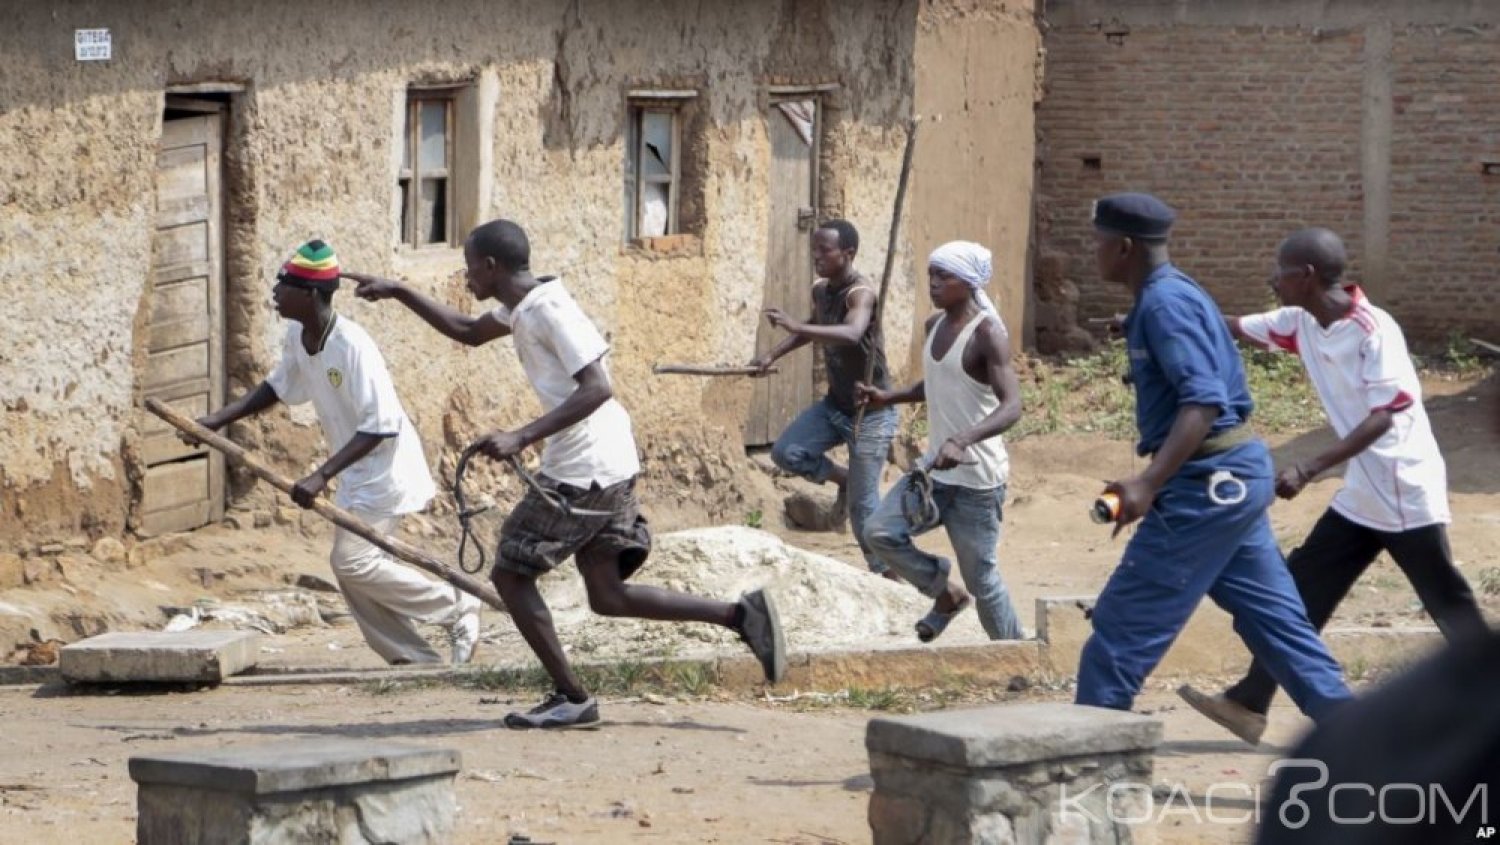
(1133,215)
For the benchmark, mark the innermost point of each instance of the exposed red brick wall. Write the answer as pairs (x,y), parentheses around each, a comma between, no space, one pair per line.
(1251,132)
(1445,212)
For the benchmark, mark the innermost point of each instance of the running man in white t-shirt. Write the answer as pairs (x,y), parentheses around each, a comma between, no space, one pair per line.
(589,462)
(1395,493)
(330,361)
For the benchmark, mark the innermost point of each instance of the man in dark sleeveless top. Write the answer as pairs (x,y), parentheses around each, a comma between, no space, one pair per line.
(842,322)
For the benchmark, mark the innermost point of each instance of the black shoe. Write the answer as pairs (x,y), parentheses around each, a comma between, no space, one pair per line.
(761,630)
(555,711)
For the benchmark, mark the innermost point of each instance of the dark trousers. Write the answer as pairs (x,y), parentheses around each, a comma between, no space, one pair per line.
(1333,557)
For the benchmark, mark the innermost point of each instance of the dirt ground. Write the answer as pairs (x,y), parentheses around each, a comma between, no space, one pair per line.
(677,770)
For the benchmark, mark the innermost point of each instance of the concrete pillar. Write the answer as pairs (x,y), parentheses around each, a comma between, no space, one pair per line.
(345,791)
(1026,773)
(1378,115)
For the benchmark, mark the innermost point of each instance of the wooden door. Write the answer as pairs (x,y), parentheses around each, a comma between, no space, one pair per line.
(793,129)
(184,363)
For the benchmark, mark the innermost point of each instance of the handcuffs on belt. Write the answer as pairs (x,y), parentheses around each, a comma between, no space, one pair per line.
(1225,478)
(465,513)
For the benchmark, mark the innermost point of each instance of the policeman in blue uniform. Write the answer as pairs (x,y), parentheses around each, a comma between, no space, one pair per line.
(1202,500)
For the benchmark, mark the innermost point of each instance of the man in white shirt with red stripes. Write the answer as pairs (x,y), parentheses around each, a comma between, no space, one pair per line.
(1395,496)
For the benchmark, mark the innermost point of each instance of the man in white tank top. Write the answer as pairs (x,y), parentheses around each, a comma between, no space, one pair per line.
(972,395)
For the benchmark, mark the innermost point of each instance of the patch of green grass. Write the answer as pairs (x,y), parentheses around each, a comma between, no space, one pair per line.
(754,519)
(626,677)
(1458,358)
(495,678)
(392,686)
(1087,395)
(879,698)
(1084,394)
(630,674)
(692,678)
(1357,668)
(1284,398)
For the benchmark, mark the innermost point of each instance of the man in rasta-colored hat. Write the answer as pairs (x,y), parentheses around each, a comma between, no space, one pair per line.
(330,361)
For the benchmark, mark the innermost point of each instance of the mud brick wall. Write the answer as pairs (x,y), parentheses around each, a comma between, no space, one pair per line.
(315,98)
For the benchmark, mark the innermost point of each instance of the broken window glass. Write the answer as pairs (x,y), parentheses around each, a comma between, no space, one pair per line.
(651,171)
(426,157)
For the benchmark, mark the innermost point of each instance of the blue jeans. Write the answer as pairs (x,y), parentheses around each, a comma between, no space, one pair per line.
(801,450)
(972,519)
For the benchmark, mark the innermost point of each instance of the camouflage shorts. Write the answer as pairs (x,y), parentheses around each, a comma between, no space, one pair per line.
(538,537)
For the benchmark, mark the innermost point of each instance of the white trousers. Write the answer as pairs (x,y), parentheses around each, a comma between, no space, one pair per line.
(387,597)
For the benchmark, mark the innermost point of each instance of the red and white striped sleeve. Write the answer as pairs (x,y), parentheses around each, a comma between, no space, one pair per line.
(1273,330)
(1385,373)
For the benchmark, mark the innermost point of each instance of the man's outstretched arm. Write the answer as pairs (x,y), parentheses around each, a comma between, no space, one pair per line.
(464,328)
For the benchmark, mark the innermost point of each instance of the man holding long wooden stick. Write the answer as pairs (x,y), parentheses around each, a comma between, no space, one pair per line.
(843,323)
(330,361)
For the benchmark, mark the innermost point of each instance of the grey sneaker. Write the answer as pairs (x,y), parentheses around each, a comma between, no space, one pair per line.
(555,711)
(761,630)
(1231,715)
(463,636)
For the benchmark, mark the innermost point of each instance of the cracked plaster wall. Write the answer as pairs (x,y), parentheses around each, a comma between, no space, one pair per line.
(311,152)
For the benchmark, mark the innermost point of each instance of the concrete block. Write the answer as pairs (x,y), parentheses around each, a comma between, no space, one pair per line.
(159,656)
(1011,734)
(343,791)
(292,766)
(897,820)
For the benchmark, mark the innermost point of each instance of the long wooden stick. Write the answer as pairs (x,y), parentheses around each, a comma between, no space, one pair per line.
(326,509)
(1488,347)
(890,255)
(708,370)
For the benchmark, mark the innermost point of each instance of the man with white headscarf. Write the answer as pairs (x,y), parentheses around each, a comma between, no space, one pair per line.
(971,264)
(972,395)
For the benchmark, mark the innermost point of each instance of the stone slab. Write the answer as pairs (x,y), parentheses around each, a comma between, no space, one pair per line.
(159,656)
(293,766)
(1013,734)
